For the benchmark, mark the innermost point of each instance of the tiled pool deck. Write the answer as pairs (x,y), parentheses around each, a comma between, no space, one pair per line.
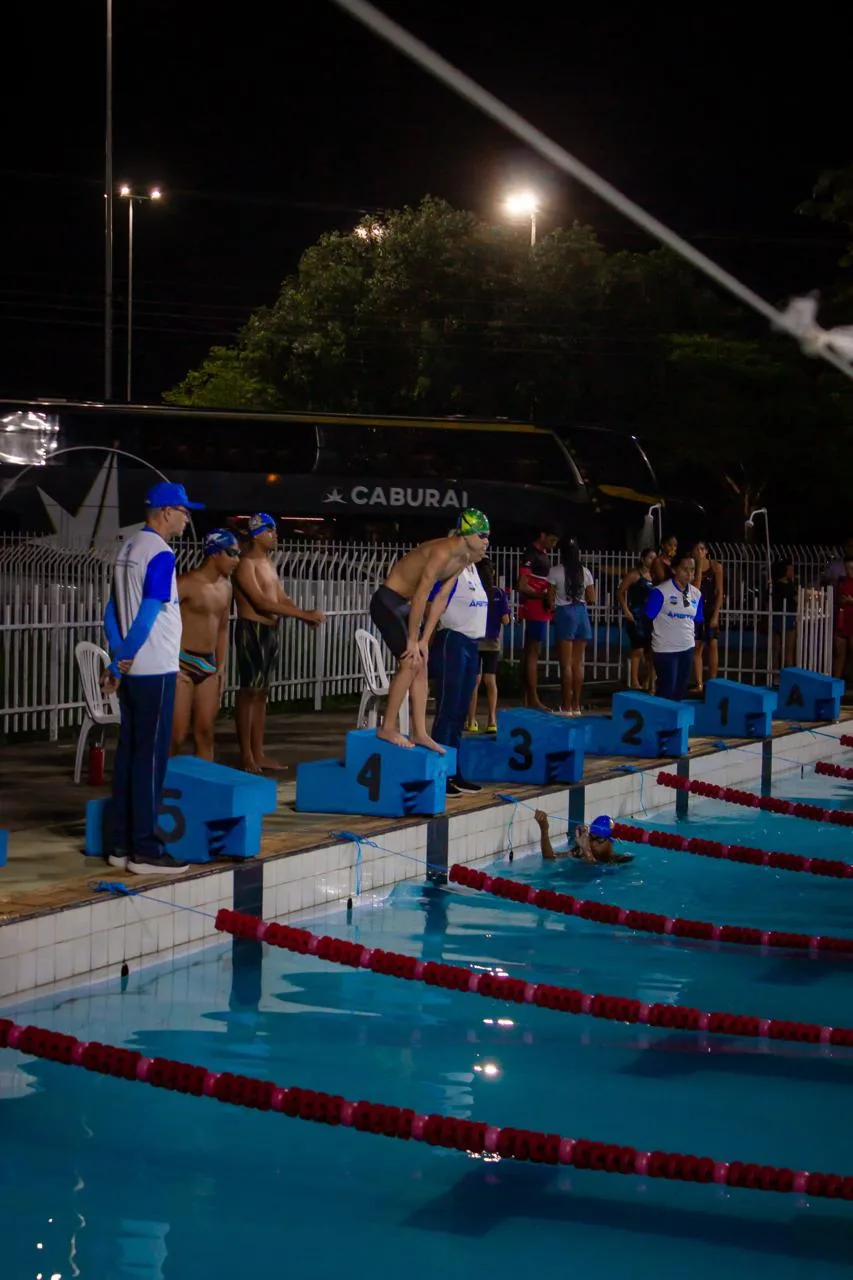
(55,926)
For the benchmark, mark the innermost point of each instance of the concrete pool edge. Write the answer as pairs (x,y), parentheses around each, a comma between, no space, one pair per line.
(97,938)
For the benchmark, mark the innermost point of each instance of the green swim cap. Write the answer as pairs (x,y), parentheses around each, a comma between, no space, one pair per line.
(472,521)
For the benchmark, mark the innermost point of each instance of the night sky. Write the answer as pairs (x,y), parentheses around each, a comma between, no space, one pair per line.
(269,124)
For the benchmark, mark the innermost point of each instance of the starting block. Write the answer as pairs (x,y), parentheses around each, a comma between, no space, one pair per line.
(376,779)
(639,725)
(808,695)
(207,811)
(529,747)
(735,710)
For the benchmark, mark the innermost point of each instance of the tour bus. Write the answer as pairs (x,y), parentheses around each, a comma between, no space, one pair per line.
(81,470)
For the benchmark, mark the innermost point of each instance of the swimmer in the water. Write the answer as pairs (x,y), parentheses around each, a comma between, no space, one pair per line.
(592,844)
(399,607)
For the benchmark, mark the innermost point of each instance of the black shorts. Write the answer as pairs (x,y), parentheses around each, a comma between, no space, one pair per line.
(256,644)
(489,661)
(704,631)
(639,636)
(389,612)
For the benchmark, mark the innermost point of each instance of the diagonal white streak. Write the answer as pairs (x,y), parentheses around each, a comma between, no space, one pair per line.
(432,62)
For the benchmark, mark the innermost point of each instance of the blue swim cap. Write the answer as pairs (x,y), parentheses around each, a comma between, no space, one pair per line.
(259,522)
(220,540)
(602,826)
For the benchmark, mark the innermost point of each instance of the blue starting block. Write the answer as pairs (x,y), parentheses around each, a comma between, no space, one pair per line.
(529,747)
(735,710)
(4,847)
(207,811)
(639,725)
(376,779)
(808,695)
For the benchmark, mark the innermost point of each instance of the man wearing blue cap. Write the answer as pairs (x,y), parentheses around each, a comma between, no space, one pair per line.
(205,598)
(592,844)
(261,603)
(143,629)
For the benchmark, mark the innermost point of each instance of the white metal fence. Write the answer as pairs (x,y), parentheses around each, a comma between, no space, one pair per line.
(50,598)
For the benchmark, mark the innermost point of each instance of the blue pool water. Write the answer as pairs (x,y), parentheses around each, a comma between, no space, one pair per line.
(106,1180)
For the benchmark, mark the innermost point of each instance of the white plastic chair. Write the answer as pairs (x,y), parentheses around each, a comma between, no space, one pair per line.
(376,683)
(101,709)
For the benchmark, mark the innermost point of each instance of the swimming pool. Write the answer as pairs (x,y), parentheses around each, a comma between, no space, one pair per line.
(99,1178)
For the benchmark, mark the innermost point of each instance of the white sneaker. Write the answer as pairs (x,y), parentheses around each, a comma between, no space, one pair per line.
(118,860)
(165,865)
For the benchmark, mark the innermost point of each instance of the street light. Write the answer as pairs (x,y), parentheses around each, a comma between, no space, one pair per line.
(524,204)
(128,194)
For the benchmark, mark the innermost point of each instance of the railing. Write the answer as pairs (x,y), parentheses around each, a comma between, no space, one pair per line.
(52,597)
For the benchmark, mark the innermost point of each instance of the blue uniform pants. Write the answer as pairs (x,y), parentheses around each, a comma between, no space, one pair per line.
(454,663)
(147,704)
(673,673)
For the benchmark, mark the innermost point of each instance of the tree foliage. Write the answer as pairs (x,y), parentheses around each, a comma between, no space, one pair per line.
(431,311)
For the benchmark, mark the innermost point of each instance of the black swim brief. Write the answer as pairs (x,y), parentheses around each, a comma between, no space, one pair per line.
(390,614)
(198,666)
(256,645)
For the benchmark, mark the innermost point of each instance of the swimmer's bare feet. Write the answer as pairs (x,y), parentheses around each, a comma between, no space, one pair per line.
(396,739)
(249,766)
(272,766)
(538,706)
(424,740)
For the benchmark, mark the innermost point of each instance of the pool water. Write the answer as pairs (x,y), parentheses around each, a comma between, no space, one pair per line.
(106,1180)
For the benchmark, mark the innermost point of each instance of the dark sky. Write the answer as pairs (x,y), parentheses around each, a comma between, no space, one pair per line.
(272,123)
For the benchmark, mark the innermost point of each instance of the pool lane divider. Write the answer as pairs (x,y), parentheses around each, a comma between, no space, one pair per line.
(470,1136)
(518,991)
(830,770)
(832,867)
(644,921)
(771,804)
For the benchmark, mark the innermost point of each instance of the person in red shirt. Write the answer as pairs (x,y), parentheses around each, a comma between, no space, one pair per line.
(535,610)
(843,618)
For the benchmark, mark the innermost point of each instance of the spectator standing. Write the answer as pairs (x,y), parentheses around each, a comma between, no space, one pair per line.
(633,593)
(454,662)
(497,616)
(843,618)
(143,628)
(573,592)
(835,569)
(535,611)
(783,603)
(662,563)
(709,580)
(674,607)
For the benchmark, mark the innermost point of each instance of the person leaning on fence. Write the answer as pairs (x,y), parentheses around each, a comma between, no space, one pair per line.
(497,616)
(782,593)
(261,604)
(633,593)
(398,610)
(843,619)
(205,596)
(674,607)
(709,579)
(143,629)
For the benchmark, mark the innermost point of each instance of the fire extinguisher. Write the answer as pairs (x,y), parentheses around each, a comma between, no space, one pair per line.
(96,765)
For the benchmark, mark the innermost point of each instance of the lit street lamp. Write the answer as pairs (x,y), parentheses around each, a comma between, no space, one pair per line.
(524,204)
(129,195)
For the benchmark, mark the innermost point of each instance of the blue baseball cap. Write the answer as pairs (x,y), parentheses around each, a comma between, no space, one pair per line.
(220,540)
(166,494)
(259,522)
(601,827)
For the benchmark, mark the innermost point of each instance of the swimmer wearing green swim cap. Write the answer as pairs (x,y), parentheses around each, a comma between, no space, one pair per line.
(405,613)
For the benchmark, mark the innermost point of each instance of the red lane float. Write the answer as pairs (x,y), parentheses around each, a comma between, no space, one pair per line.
(846,740)
(517,991)
(772,804)
(734,852)
(830,770)
(404,1123)
(643,921)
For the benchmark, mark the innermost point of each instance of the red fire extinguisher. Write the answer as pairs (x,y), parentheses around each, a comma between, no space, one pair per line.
(96,766)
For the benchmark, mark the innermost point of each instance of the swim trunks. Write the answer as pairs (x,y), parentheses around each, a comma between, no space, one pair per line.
(256,647)
(390,613)
(198,666)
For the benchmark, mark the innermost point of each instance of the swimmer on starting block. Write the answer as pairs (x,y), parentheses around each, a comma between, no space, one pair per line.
(592,844)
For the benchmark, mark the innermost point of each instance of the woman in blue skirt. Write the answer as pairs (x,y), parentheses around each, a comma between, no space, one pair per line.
(573,591)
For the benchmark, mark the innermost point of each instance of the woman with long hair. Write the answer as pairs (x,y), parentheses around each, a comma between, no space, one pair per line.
(633,593)
(709,579)
(574,590)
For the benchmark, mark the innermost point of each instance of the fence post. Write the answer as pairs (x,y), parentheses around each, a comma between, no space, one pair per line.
(54,646)
(320,650)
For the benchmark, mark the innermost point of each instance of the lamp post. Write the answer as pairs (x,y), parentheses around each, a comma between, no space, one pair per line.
(132,198)
(524,204)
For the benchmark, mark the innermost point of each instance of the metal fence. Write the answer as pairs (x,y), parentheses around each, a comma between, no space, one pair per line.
(52,597)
